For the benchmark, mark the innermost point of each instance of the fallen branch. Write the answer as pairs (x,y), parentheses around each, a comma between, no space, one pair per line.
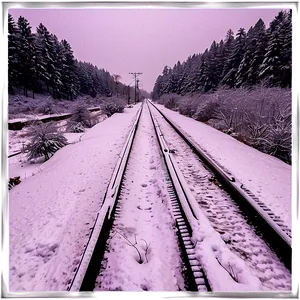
(230,271)
(140,261)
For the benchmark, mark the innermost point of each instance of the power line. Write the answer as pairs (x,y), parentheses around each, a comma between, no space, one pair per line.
(135,75)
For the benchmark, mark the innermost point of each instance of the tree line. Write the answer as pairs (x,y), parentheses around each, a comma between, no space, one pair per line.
(39,62)
(243,60)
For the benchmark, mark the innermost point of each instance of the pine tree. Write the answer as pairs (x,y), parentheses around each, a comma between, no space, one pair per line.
(34,63)
(235,58)
(13,54)
(27,70)
(69,77)
(210,77)
(193,75)
(244,67)
(173,81)
(220,59)
(165,85)
(57,69)
(107,84)
(198,72)
(259,42)
(272,64)
(276,23)
(228,48)
(181,77)
(286,54)
(236,62)
(157,88)
(46,57)
(184,81)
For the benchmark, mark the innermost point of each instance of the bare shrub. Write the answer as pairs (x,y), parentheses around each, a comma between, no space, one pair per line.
(45,141)
(255,130)
(275,137)
(206,111)
(267,125)
(232,120)
(47,108)
(188,107)
(170,101)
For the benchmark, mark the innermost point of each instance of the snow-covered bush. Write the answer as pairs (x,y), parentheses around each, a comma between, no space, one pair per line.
(259,117)
(113,106)
(80,120)
(278,138)
(170,101)
(188,107)
(47,108)
(231,118)
(278,142)
(76,127)
(45,141)
(255,130)
(206,111)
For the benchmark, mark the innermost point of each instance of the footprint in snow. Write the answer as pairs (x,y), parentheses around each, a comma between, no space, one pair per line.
(144,184)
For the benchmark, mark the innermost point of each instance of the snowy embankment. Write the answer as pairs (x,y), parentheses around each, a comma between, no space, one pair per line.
(52,212)
(266,176)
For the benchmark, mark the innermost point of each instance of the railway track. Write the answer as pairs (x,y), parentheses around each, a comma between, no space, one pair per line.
(270,225)
(186,212)
(249,228)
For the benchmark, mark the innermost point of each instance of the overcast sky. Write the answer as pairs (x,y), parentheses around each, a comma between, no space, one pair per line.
(141,40)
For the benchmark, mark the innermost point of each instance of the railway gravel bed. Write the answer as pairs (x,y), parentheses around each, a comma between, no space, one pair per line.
(225,216)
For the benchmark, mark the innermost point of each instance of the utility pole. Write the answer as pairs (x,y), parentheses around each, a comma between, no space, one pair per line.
(138,90)
(135,75)
(128,94)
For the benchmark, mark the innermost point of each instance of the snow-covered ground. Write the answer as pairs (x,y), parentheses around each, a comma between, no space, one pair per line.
(52,210)
(266,176)
(51,213)
(145,217)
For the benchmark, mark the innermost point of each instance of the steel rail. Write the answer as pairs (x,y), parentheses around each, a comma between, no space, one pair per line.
(185,213)
(89,266)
